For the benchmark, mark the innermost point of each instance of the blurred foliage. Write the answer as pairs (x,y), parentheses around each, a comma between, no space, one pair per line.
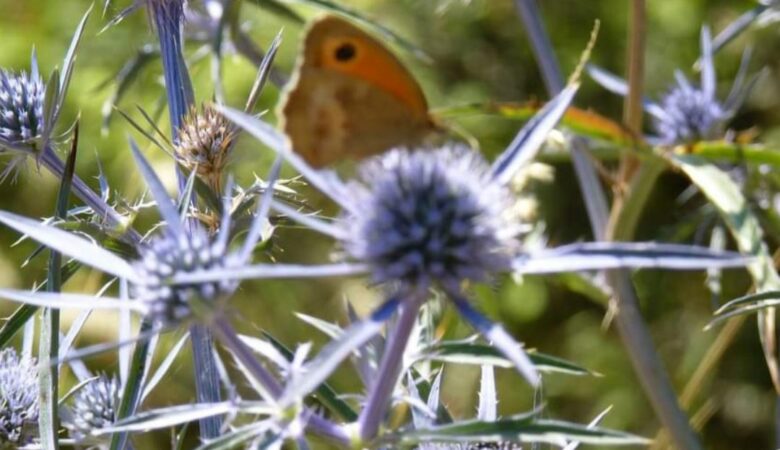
(478,53)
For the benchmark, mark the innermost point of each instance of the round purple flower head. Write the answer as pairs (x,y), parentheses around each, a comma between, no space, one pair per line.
(169,255)
(430,216)
(21,106)
(93,407)
(690,114)
(18,399)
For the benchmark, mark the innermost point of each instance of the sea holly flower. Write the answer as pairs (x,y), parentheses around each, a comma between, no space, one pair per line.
(18,399)
(30,111)
(415,221)
(21,106)
(430,216)
(29,107)
(687,113)
(92,408)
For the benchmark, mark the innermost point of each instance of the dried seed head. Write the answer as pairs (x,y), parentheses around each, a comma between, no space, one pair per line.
(205,141)
(430,216)
(21,106)
(169,255)
(93,407)
(18,399)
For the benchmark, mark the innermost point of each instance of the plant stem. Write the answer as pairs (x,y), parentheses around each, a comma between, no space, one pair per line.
(230,339)
(207,377)
(48,377)
(131,392)
(168,17)
(227,335)
(705,369)
(632,109)
(390,368)
(647,365)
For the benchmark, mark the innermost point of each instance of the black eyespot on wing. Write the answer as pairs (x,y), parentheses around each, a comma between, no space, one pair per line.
(345,52)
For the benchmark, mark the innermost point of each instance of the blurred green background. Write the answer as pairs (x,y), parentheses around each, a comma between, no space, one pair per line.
(478,53)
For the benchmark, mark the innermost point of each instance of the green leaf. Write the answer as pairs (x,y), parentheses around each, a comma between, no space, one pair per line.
(522,428)
(123,79)
(176,415)
(67,68)
(235,438)
(324,393)
(732,152)
(132,390)
(262,73)
(50,99)
(26,312)
(735,211)
(746,305)
(471,352)
(48,374)
(749,300)
(583,122)
(584,285)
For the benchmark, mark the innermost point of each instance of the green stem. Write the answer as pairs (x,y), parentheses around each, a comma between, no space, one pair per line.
(131,392)
(622,226)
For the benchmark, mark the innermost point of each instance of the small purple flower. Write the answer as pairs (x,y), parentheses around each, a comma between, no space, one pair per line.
(18,398)
(171,254)
(93,407)
(430,215)
(21,106)
(688,113)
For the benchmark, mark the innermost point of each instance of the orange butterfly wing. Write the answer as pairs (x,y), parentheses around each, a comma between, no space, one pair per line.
(351,97)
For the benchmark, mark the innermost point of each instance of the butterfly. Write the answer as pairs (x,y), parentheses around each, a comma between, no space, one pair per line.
(350,97)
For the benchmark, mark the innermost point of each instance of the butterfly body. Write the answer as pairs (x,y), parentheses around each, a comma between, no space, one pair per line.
(351,98)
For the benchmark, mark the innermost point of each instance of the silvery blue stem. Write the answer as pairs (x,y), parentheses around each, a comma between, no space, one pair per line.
(168,16)
(390,368)
(49,159)
(325,428)
(206,375)
(229,338)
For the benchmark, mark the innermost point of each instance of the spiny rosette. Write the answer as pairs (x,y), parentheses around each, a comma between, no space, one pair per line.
(93,407)
(690,115)
(168,255)
(18,399)
(430,216)
(21,106)
(205,141)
